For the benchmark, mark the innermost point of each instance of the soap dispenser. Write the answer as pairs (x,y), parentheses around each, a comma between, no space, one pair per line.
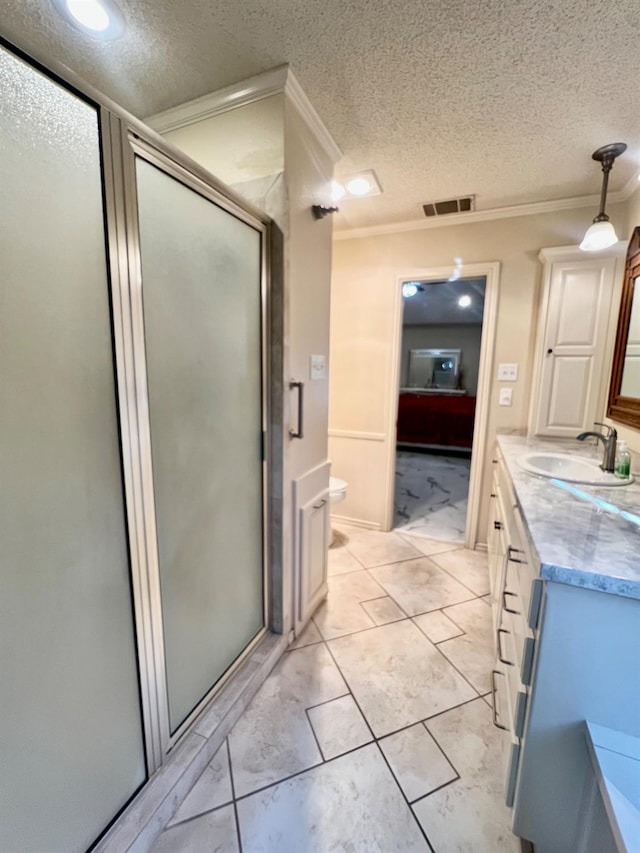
(623,461)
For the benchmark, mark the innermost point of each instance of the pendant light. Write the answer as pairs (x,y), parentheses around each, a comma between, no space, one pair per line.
(601,234)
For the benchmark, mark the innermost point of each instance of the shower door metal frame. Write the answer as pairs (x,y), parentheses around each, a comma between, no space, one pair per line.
(122,138)
(123,141)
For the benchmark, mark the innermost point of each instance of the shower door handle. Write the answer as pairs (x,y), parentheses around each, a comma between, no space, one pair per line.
(298,433)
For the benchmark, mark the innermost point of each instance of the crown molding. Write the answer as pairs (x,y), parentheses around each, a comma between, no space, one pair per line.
(571,253)
(232,97)
(280,80)
(530,209)
(296,96)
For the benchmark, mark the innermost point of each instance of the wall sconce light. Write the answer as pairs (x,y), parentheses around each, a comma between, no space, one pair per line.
(319,211)
(601,234)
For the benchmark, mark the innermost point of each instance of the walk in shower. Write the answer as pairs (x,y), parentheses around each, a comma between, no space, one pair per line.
(133,412)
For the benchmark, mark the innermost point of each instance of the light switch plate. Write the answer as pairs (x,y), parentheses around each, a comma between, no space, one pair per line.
(505,396)
(507,372)
(318,367)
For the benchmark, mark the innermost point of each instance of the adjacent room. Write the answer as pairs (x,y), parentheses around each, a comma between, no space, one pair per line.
(440,359)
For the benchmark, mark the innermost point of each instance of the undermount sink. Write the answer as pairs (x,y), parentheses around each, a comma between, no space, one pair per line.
(571,469)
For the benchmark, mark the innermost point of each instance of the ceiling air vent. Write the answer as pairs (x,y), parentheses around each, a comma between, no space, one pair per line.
(452,205)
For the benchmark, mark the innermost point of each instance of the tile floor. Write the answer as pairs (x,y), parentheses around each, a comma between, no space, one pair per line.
(431,494)
(374,732)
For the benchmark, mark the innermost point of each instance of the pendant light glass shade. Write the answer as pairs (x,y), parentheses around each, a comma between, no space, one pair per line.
(600,235)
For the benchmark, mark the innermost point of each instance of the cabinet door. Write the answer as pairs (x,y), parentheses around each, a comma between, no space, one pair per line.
(570,392)
(314,539)
(493,535)
(509,742)
(497,547)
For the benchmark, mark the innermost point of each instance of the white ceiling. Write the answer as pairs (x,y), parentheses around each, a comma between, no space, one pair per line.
(506,99)
(437,303)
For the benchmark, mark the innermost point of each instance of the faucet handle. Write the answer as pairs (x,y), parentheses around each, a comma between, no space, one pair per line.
(612,431)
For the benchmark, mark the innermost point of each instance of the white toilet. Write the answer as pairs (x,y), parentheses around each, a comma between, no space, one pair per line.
(337,490)
(337,493)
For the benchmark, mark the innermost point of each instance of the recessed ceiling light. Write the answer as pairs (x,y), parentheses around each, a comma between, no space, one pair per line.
(90,14)
(464,301)
(101,19)
(362,185)
(359,186)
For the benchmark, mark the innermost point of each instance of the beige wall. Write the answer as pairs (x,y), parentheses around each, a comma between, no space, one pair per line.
(465,337)
(365,274)
(308,173)
(239,145)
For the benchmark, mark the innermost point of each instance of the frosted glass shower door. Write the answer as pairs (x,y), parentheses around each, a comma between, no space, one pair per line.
(71,742)
(202,297)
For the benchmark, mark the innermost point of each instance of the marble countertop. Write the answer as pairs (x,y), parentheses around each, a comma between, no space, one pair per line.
(584,536)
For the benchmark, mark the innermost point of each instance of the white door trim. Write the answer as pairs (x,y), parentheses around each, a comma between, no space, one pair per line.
(491,270)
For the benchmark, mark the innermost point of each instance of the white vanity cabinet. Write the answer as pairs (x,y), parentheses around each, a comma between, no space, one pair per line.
(313,557)
(515,601)
(564,654)
(312,533)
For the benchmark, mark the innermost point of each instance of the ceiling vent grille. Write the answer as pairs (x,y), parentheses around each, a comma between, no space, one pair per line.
(465,204)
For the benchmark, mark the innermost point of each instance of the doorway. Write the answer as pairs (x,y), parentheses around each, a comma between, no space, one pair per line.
(444,348)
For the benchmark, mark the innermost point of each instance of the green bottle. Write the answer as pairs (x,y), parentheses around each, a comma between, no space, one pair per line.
(623,461)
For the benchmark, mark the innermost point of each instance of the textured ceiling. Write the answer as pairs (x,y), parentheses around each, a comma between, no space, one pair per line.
(437,303)
(505,98)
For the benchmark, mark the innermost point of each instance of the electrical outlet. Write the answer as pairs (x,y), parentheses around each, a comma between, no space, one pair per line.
(317,367)
(507,372)
(505,396)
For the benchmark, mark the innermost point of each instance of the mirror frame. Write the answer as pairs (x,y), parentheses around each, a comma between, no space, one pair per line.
(625,410)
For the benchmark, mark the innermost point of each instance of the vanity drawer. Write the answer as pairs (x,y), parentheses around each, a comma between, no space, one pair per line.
(510,741)
(524,588)
(505,644)
(500,705)
(509,654)
(504,484)
(520,574)
(523,537)
(496,547)
(522,642)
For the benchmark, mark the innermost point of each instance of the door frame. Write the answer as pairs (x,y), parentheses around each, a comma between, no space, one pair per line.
(124,142)
(491,272)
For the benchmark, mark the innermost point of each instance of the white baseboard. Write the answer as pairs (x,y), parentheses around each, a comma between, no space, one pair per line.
(355,522)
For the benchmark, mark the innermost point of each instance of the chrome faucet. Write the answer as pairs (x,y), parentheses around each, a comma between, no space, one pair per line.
(609,442)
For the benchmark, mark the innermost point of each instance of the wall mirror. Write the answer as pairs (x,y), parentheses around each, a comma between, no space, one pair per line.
(433,368)
(624,391)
